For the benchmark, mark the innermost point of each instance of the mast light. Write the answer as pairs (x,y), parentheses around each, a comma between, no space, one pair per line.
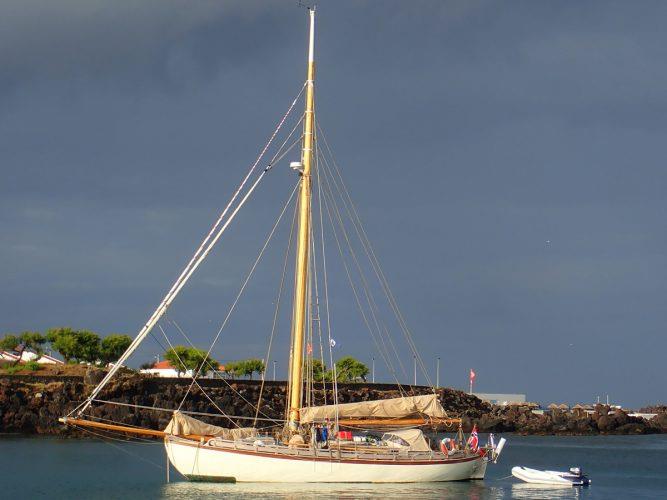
(296,165)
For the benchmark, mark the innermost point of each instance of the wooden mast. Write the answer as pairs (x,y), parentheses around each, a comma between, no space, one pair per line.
(303,242)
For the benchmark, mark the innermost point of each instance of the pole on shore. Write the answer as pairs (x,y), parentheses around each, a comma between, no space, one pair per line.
(373,370)
(274,370)
(414,361)
(437,372)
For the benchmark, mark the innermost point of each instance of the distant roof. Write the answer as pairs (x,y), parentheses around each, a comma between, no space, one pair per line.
(162,365)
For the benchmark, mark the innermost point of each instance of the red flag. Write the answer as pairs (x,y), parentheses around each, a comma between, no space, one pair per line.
(472,375)
(309,348)
(473,440)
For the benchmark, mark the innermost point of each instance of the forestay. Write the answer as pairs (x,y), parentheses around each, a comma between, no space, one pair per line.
(386,408)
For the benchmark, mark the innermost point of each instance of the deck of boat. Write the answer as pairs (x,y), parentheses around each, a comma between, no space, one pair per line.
(339,451)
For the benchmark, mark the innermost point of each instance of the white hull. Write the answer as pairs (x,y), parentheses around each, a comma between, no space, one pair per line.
(545,477)
(207,463)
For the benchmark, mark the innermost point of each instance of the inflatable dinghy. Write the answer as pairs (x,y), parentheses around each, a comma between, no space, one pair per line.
(574,477)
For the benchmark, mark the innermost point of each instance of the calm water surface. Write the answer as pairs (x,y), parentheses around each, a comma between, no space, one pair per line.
(620,467)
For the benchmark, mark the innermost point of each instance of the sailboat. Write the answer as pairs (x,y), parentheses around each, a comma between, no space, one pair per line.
(295,452)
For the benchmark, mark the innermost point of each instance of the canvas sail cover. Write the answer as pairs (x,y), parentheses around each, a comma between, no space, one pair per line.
(182,425)
(414,437)
(384,408)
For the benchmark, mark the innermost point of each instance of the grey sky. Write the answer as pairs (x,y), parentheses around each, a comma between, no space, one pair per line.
(470,134)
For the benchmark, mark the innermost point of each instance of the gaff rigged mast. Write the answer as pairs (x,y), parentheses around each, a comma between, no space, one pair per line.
(303,242)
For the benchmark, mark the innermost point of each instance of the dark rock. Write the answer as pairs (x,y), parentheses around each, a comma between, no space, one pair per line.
(93,376)
(659,422)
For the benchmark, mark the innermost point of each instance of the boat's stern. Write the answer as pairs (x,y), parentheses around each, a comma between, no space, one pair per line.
(479,468)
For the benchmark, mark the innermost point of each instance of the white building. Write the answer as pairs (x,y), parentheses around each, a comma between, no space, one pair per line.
(501,399)
(30,356)
(164,369)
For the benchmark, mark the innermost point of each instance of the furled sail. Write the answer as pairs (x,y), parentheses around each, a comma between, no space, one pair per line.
(414,438)
(183,425)
(386,408)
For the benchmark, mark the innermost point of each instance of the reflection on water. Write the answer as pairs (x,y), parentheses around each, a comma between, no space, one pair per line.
(525,490)
(297,491)
(469,490)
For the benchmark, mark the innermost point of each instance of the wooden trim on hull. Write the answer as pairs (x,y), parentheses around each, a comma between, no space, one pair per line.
(331,458)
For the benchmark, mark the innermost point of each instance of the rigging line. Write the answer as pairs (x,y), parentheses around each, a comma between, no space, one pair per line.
(352,286)
(317,308)
(162,308)
(375,312)
(276,311)
(373,308)
(368,248)
(351,209)
(273,159)
(296,141)
(212,368)
(376,264)
(187,412)
(138,439)
(200,387)
(106,440)
(369,296)
(181,363)
(252,270)
(356,296)
(378,338)
(324,256)
(192,264)
(316,280)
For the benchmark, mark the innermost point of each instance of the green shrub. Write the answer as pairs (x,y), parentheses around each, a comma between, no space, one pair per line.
(32,366)
(189,358)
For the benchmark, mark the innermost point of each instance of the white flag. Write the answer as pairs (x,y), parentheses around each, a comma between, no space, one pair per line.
(332,343)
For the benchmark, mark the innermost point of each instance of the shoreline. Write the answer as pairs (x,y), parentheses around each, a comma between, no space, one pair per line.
(31,405)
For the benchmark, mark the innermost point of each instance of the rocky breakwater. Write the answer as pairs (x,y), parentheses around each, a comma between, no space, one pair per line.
(603,420)
(33,404)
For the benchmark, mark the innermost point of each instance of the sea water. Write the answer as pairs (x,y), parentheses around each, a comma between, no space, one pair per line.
(619,466)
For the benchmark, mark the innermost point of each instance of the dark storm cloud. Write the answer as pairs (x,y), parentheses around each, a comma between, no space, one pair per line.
(507,159)
(128,43)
